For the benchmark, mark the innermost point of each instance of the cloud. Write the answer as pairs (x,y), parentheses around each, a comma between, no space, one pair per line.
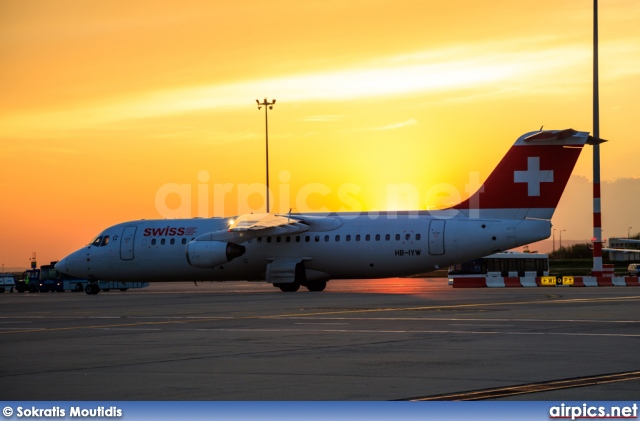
(574,215)
(575,212)
(502,67)
(339,85)
(322,118)
(410,122)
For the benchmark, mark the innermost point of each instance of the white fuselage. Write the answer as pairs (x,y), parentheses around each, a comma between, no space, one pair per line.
(336,246)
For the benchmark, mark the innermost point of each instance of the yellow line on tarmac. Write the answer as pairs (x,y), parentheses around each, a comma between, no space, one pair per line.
(501,392)
(324,313)
(57,329)
(444,307)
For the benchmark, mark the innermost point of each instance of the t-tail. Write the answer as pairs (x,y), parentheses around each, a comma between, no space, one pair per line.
(530,179)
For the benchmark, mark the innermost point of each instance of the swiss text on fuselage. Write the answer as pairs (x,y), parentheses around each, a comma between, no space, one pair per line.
(169,231)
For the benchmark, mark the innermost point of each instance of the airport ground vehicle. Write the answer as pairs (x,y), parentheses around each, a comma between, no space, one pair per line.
(507,264)
(7,282)
(48,279)
(633,269)
(30,281)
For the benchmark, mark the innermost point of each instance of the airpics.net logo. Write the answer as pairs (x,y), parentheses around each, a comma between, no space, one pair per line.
(586,411)
(176,201)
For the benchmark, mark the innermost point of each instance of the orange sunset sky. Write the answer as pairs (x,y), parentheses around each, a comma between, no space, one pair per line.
(106,107)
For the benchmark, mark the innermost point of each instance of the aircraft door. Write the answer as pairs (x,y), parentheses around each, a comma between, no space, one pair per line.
(126,243)
(436,236)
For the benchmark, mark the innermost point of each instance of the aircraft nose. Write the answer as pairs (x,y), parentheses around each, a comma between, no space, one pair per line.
(75,264)
(61,266)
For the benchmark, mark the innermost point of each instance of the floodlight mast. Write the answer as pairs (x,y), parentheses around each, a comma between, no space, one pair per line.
(267,106)
(597,206)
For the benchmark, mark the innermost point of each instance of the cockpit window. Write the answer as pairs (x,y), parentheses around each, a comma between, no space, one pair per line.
(100,241)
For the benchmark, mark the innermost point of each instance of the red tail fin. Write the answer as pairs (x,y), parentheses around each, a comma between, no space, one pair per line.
(530,179)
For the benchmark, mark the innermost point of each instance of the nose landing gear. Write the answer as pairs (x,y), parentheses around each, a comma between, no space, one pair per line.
(92,288)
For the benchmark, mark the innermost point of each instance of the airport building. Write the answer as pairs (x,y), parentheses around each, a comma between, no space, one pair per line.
(623,250)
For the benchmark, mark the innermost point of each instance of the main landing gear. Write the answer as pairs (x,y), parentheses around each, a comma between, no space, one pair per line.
(314,286)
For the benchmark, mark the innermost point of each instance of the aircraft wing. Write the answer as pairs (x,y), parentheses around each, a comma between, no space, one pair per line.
(246,227)
(268,221)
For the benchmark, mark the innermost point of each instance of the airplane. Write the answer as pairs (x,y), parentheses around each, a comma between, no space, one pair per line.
(513,207)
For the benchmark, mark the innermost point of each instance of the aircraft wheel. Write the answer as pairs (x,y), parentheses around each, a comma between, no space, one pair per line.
(92,289)
(78,287)
(316,286)
(289,287)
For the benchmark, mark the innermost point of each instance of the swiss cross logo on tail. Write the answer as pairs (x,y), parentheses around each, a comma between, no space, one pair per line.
(533,176)
(544,161)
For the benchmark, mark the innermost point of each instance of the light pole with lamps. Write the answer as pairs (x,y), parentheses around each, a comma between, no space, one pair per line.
(629,232)
(561,242)
(267,106)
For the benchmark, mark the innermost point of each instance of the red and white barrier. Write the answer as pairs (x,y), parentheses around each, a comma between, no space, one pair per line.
(545,281)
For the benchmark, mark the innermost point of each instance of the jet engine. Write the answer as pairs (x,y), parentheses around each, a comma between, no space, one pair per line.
(209,254)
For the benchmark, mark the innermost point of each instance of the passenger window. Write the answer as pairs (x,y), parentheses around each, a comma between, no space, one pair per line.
(317,238)
(418,237)
(358,237)
(367,237)
(377,237)
(259,239)
(278,239)
(387,237)
(348,238)
(337,238)
(173,241)
(297,238)
(153,242)
(184,241)
(407,237)
(288,238)
(326,238)
(163,241)
(268,239)
(397,237)
(307,238)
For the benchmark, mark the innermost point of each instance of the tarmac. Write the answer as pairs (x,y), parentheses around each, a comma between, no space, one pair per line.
(389,339)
